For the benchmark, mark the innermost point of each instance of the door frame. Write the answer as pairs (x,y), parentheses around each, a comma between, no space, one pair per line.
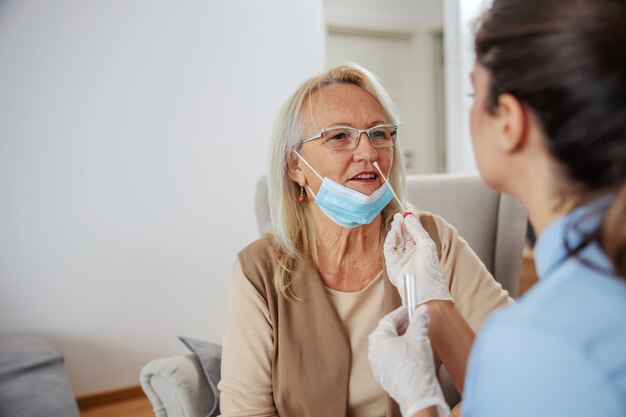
(421,38)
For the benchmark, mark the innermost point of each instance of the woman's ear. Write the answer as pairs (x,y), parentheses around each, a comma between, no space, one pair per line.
(513,123)
(294,171)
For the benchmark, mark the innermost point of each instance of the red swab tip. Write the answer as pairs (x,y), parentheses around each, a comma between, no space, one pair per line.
(406,213)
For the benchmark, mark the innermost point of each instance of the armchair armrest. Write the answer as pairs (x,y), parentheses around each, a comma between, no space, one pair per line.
(176,387)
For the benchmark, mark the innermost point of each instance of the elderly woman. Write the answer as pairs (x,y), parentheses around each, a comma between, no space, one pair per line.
(304,298)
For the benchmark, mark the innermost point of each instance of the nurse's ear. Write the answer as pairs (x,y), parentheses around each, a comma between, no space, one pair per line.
(294,171)
(512,124)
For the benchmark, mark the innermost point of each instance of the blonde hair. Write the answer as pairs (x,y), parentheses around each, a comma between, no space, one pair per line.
(292,224)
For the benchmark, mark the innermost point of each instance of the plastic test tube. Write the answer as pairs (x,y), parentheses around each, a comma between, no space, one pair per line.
(410,293)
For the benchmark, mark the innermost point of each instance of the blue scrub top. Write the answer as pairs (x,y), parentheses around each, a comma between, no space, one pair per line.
(561,351)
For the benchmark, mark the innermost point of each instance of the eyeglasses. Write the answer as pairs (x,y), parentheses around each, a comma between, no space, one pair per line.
(345,138)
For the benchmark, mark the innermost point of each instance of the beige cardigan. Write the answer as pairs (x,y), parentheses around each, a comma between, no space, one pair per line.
(300,348)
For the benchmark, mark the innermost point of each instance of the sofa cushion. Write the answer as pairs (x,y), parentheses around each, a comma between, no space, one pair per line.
(210,357)
(32,383)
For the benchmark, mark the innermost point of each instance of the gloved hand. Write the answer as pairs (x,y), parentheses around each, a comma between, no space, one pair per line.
(409,249)
(403,365)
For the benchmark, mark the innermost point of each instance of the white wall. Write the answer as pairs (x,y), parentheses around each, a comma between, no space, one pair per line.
(131,137)
(459,18)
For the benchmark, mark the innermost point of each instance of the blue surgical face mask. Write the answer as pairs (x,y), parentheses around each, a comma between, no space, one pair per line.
(345,206)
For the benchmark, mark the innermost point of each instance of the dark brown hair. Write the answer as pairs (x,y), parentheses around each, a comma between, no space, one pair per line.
(565,60)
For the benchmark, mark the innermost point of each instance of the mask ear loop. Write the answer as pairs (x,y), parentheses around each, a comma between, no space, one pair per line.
(406,213)
(307,164)
(312,169)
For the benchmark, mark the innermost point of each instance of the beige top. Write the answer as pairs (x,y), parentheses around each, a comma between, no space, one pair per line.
(360,312)
(251,394)
(246,384)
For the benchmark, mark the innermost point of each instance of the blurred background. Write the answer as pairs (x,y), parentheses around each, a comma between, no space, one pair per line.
(132,135)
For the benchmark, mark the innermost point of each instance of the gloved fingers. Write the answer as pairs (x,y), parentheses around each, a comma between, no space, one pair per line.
(388,326)
(400,319)
(403,232)
(424,243)
(415,228)
(443,410)
(391,241)
(398,239)
(398,226)
(394,236)
(418,328)
(421,316)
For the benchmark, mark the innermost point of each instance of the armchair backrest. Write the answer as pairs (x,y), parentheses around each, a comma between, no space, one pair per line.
(493,224)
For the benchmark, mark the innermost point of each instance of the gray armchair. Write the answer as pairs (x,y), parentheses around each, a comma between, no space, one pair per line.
(494,225)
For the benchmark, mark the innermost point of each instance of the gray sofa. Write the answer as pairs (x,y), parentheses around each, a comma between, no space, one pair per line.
(32,382)
(494,225)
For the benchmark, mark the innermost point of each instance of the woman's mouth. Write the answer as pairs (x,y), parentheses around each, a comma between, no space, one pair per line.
(365,177)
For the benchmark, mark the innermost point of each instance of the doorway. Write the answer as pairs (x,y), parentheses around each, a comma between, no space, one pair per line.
(410,65)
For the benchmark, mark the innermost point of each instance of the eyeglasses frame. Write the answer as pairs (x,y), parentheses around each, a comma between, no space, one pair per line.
(361,131)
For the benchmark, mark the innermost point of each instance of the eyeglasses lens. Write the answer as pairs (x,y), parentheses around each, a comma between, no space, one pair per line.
(347,138)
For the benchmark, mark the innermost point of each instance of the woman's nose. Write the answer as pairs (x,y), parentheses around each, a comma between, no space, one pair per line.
(364,149)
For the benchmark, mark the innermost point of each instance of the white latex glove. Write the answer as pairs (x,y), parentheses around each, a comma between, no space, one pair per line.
(409,249)
(403,365)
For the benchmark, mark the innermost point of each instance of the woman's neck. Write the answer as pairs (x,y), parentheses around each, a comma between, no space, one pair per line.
(348,259)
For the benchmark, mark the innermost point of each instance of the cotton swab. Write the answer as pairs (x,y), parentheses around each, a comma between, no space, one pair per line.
(409,279)
(406,213)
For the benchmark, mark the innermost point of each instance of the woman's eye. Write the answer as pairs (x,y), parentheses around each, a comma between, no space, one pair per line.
(338,136)
(378,134)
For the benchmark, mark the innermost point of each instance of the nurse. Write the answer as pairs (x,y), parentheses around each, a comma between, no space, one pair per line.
(548,125)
